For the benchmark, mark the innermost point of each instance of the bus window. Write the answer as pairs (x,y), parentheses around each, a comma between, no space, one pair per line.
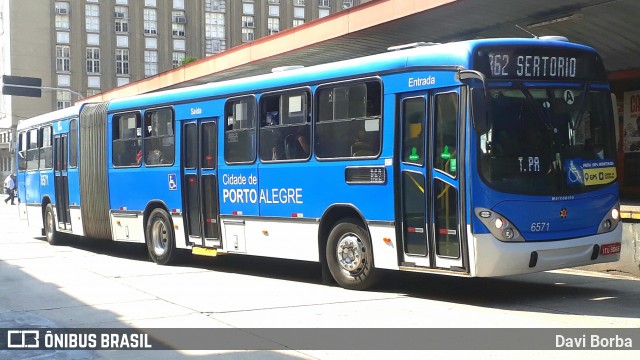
(446,133)
(127,144)
(239,133)
(209,141)
(46,148)
(349,121)
(22,151)
(33,151)
(413,135)
(158,137)
(284,127)
(190,147)
(73,143)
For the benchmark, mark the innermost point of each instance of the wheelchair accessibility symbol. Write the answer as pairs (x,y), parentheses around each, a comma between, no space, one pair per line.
(574,172)
(173,182)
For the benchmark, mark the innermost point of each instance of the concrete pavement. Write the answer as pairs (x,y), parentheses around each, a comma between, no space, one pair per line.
(94,284)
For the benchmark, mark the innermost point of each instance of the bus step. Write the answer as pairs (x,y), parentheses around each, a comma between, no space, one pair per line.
(204,251)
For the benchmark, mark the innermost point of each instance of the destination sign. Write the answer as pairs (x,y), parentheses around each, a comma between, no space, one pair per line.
(539,63)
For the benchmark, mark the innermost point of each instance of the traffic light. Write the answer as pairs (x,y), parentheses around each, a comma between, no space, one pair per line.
(21,86)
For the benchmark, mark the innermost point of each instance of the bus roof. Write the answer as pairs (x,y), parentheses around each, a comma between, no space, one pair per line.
(456,54)
(66,113)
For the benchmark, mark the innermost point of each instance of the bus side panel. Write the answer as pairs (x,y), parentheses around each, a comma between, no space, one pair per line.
(280,238)
(47,186)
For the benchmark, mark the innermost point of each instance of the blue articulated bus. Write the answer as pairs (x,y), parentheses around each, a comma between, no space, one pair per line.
(477,158)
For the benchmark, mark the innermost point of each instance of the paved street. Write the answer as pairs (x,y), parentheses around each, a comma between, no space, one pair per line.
(95,284)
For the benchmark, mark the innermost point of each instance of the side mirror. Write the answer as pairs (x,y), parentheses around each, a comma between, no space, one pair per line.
(479,100)
(479,110)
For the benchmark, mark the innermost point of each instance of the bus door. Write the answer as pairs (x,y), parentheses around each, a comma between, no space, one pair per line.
(202,220)
(430,180)
(61,181)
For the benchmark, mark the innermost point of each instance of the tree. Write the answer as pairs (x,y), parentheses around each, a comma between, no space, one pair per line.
(189,59)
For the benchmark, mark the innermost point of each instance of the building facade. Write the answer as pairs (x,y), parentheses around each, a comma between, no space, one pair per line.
(80,48)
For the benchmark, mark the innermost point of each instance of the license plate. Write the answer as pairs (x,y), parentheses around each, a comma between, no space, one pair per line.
(609,249)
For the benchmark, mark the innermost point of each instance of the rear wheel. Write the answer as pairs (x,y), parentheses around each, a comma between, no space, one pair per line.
(350,256)
(53,237)
(160,238)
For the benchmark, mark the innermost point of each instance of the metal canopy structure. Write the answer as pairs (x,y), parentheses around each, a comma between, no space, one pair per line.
(610,26)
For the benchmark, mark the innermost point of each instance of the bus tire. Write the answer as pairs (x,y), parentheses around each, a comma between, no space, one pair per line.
(160,238)
(350,256)
(53,236)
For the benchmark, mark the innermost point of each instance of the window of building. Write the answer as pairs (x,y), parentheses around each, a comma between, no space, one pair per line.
(159,139)
(122,61)
(298,12)
(285,128)
(92,92)
(298,2)
(178,23)
(274,1)
(46,148)
(324,3)
(122,41)
(247,34)
(248,21)
(274,10)
(33,150)
(178,58)
(150,62)
(93,60)
(179,45)
(150,3)
(297,22)
(214,46)
(63,58)
(247,8)
(62,10)
(150,22)
(323,12)
(92,18)
(122,2)
(178,4)
(214,26)
(273,25)
(349,120)
(240,131)
(127,140)
(121,15)
(63,99)
(214,5)
(63,37)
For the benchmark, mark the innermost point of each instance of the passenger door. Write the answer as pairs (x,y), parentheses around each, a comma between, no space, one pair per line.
(202,220)
(61,182)
(430,173)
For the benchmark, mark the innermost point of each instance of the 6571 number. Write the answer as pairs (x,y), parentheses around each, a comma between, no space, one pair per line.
(539,226)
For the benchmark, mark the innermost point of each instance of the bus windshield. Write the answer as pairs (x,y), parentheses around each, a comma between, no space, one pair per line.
(548,141)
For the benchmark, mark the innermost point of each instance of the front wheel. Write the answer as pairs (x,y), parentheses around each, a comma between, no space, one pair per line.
(53,236)
(350,256)
(160,238)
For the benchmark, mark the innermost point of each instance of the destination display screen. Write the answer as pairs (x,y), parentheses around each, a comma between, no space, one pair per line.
(538,63)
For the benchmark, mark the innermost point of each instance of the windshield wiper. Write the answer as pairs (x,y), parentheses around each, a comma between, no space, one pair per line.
(546,120)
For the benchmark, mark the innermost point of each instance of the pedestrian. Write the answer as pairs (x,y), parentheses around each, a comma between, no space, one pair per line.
(9,188)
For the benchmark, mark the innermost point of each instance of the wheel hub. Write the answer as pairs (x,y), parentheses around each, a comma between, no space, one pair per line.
(159,238)
(351,253)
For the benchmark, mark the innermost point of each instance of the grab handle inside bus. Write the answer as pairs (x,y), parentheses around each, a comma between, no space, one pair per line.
(479,100)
